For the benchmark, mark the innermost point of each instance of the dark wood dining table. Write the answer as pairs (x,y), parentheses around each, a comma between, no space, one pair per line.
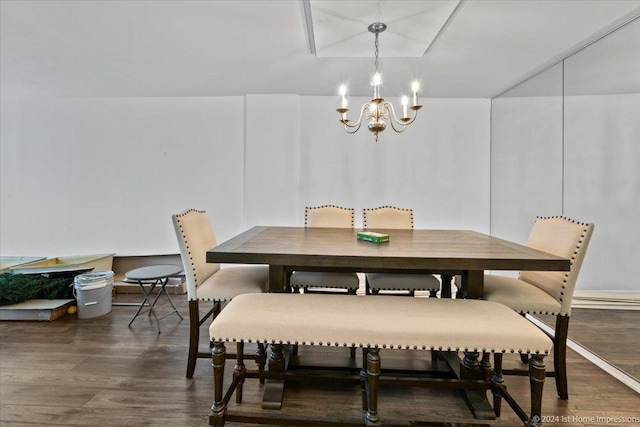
(445,252)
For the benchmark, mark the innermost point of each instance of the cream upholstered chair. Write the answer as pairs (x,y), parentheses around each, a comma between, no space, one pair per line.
(547,292)
(328,216)
(206,281)
(390,217)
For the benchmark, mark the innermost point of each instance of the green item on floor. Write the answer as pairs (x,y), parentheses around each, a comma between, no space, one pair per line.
(16,288)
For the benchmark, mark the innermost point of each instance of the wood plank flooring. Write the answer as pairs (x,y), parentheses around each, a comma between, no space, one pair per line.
(607,333)
(98,371)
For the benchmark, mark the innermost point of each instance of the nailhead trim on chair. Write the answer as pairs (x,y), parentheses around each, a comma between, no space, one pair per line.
(193,268)
(364,216)
(575,251)
(306,212)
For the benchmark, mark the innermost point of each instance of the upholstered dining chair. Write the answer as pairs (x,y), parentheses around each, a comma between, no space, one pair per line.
(391,217)
(547,292)
(327,216)
(209,282)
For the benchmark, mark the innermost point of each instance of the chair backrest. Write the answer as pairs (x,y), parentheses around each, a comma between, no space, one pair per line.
(387,217)
(329,216)
(566,238)
(195,238)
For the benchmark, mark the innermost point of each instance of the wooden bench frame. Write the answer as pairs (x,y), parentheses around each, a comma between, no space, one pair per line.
(480,376)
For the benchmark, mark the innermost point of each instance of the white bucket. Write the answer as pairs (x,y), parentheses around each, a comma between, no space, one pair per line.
(93,293)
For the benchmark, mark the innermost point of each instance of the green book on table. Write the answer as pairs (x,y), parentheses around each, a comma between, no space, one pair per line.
(372,236)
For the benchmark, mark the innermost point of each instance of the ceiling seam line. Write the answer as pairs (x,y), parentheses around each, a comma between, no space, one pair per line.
(308,20)
(445,25)
(571,52)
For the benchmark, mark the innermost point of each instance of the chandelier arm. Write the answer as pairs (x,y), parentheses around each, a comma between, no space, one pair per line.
(393,119)
(359,122)
(356,126)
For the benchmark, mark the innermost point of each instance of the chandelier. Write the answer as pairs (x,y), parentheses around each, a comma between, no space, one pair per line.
(378,111)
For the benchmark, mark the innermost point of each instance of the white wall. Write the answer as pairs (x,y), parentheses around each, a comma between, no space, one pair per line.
(566,143)
(439,166)
(526,163)
(602,185)
(104,175)
(272,160)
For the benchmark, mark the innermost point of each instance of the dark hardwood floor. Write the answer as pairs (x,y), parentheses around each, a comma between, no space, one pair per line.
(607,333)
(99,372)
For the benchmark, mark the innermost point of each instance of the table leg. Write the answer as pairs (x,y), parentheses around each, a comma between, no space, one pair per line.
(151,304)
(277,278)
(470,368)
(446,286)
(147,302)
(274,389)
(473,283)
(476,400)
(163,289)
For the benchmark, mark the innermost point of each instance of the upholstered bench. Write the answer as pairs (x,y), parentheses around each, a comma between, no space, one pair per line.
(374,323)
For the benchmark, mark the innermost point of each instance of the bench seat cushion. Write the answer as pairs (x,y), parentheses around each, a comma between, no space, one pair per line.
(383,322)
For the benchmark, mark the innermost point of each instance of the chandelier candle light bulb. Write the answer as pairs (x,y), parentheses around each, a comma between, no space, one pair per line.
(405,102)
(377,111)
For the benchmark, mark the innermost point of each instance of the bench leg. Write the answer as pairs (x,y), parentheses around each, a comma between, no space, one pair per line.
(485,365)
(363,379)
(373,380)
(261,359)
(239,370)
(497,380)
(219,408)
(536,380)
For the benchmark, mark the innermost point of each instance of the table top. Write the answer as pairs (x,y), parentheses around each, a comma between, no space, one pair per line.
(153,272)
(437,250)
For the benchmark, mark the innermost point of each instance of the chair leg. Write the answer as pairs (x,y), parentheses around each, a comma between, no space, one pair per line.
(194,336)
(560,356)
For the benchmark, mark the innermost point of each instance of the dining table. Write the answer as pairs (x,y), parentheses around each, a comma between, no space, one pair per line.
(446,252)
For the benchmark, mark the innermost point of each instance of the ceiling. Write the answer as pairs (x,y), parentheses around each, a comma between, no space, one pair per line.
(472,48)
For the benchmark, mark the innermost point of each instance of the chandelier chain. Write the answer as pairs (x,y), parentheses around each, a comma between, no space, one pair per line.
(377,48)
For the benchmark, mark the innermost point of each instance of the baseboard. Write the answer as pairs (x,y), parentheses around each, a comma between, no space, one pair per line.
(603,300)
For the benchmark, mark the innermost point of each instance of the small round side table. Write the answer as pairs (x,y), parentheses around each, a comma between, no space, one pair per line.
(156,275)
